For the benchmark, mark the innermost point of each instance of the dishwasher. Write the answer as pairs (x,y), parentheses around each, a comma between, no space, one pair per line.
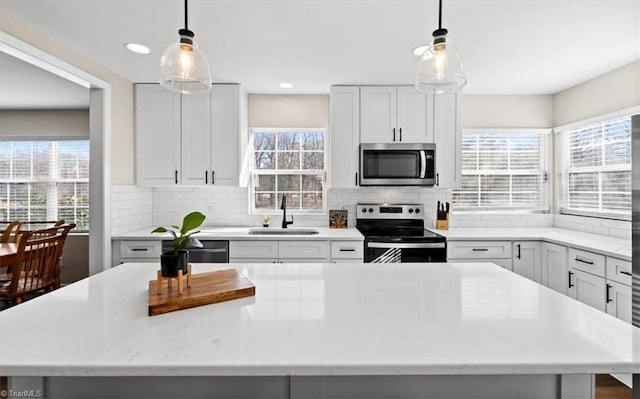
(212,251)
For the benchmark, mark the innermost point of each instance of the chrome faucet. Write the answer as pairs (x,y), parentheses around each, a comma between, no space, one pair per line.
(283,206)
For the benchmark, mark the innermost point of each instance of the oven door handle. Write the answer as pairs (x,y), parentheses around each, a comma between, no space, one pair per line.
(423,164)
(406,245)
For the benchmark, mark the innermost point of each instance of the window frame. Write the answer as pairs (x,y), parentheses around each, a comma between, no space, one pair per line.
(563,160)
(52,212)
(253,173)
(545,173)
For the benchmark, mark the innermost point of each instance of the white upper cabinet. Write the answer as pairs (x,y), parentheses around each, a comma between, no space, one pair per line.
(191,140)
(229,121)
(157,138)
(395,114)
(447,134)
(344,136)
(196,138)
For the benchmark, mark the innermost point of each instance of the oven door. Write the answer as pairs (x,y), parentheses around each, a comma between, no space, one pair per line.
(386,252)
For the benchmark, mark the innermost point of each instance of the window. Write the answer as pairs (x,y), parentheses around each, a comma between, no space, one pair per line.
(45,180)
(597,169)
(504,170)
(290,162)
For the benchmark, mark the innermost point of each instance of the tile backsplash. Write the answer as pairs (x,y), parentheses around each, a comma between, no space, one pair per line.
(135,208)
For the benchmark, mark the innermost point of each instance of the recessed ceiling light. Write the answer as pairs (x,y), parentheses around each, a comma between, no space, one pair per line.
(418,51)
(286,85)
(137,48)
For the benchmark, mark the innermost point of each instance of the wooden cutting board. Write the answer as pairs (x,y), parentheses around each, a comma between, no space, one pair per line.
(206,288)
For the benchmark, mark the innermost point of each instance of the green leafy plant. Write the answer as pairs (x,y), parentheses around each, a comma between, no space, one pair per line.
(182,235)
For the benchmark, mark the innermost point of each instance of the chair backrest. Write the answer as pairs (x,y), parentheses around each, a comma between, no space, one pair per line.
(38,260)
(11,232)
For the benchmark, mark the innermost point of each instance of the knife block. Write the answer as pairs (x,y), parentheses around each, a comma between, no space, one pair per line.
(442,224)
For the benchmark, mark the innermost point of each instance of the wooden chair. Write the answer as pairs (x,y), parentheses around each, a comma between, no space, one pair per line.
(10,233)
(37,267)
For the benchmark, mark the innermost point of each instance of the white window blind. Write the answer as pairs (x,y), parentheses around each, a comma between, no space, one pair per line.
(45,180)
(599,169)
(504,170)
(291,162)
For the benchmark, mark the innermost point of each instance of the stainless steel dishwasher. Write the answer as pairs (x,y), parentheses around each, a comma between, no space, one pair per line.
(213,251)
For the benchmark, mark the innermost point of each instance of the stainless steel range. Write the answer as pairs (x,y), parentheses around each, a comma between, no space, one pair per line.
(395,233)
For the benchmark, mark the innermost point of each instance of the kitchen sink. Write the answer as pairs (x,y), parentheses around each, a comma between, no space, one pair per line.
(287,232)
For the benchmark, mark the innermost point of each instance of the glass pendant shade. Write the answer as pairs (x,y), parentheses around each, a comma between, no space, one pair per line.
(184,68)
(440,68)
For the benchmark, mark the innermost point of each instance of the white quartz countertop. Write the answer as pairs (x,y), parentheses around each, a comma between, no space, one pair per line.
(610,246)
(242,233)
(319,319)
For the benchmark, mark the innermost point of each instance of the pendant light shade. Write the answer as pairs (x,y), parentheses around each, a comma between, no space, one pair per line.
(184,68)
(440,68)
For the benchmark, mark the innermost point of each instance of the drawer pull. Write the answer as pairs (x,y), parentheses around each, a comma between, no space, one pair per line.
(139,249)
(625,273)
(606,292)
(519,254)
(588,262)
(570,274)
(347,250)
(480,249)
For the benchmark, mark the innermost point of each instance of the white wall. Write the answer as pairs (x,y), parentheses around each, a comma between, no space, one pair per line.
(121,94)
(44,123)
(610,92)
(507,111)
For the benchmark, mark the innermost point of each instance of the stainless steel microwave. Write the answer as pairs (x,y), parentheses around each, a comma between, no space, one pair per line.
(398,164)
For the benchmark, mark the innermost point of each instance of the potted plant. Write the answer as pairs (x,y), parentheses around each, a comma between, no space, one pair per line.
(178,257)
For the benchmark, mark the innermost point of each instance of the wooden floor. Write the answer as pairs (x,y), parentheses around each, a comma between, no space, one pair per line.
(608,387)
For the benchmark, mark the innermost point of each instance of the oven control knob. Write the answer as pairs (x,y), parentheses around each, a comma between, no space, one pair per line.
(364,210)
(410,210)
(371,210)
(417,210)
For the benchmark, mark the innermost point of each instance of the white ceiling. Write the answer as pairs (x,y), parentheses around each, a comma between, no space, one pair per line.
(509,46)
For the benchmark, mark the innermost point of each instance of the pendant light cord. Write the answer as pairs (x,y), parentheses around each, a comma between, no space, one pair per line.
(186,15)
(439,15)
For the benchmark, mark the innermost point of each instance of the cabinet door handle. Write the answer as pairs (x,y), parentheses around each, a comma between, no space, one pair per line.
(139,249)
(570,285)
(400,134)
(206,177)
(437,179)
(176,177)
(347,250)
(394,134)
(480,249)
(213,177)
(608,297)
(356,179)
(519,254)
(588,262)
(625,273)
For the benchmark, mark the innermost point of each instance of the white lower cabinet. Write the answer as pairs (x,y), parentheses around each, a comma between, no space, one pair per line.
(284,251)
(587,288)
(498,252)
(137,251)
(618,300)
(347,251)
(554,266)
(526,260)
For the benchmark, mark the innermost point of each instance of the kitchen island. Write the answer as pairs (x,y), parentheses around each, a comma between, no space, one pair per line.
(318,330)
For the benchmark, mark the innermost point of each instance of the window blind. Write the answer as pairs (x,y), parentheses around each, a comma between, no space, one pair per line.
(45,180)
(503,170)
(599,168)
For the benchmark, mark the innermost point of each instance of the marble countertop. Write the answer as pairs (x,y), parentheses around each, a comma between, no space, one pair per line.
(609,246)
(319,319)
(242,233)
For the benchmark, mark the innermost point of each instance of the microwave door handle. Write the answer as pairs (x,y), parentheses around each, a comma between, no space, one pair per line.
(423,164)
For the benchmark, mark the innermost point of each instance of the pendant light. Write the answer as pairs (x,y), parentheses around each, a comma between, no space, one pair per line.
(440,67)
(184,67)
